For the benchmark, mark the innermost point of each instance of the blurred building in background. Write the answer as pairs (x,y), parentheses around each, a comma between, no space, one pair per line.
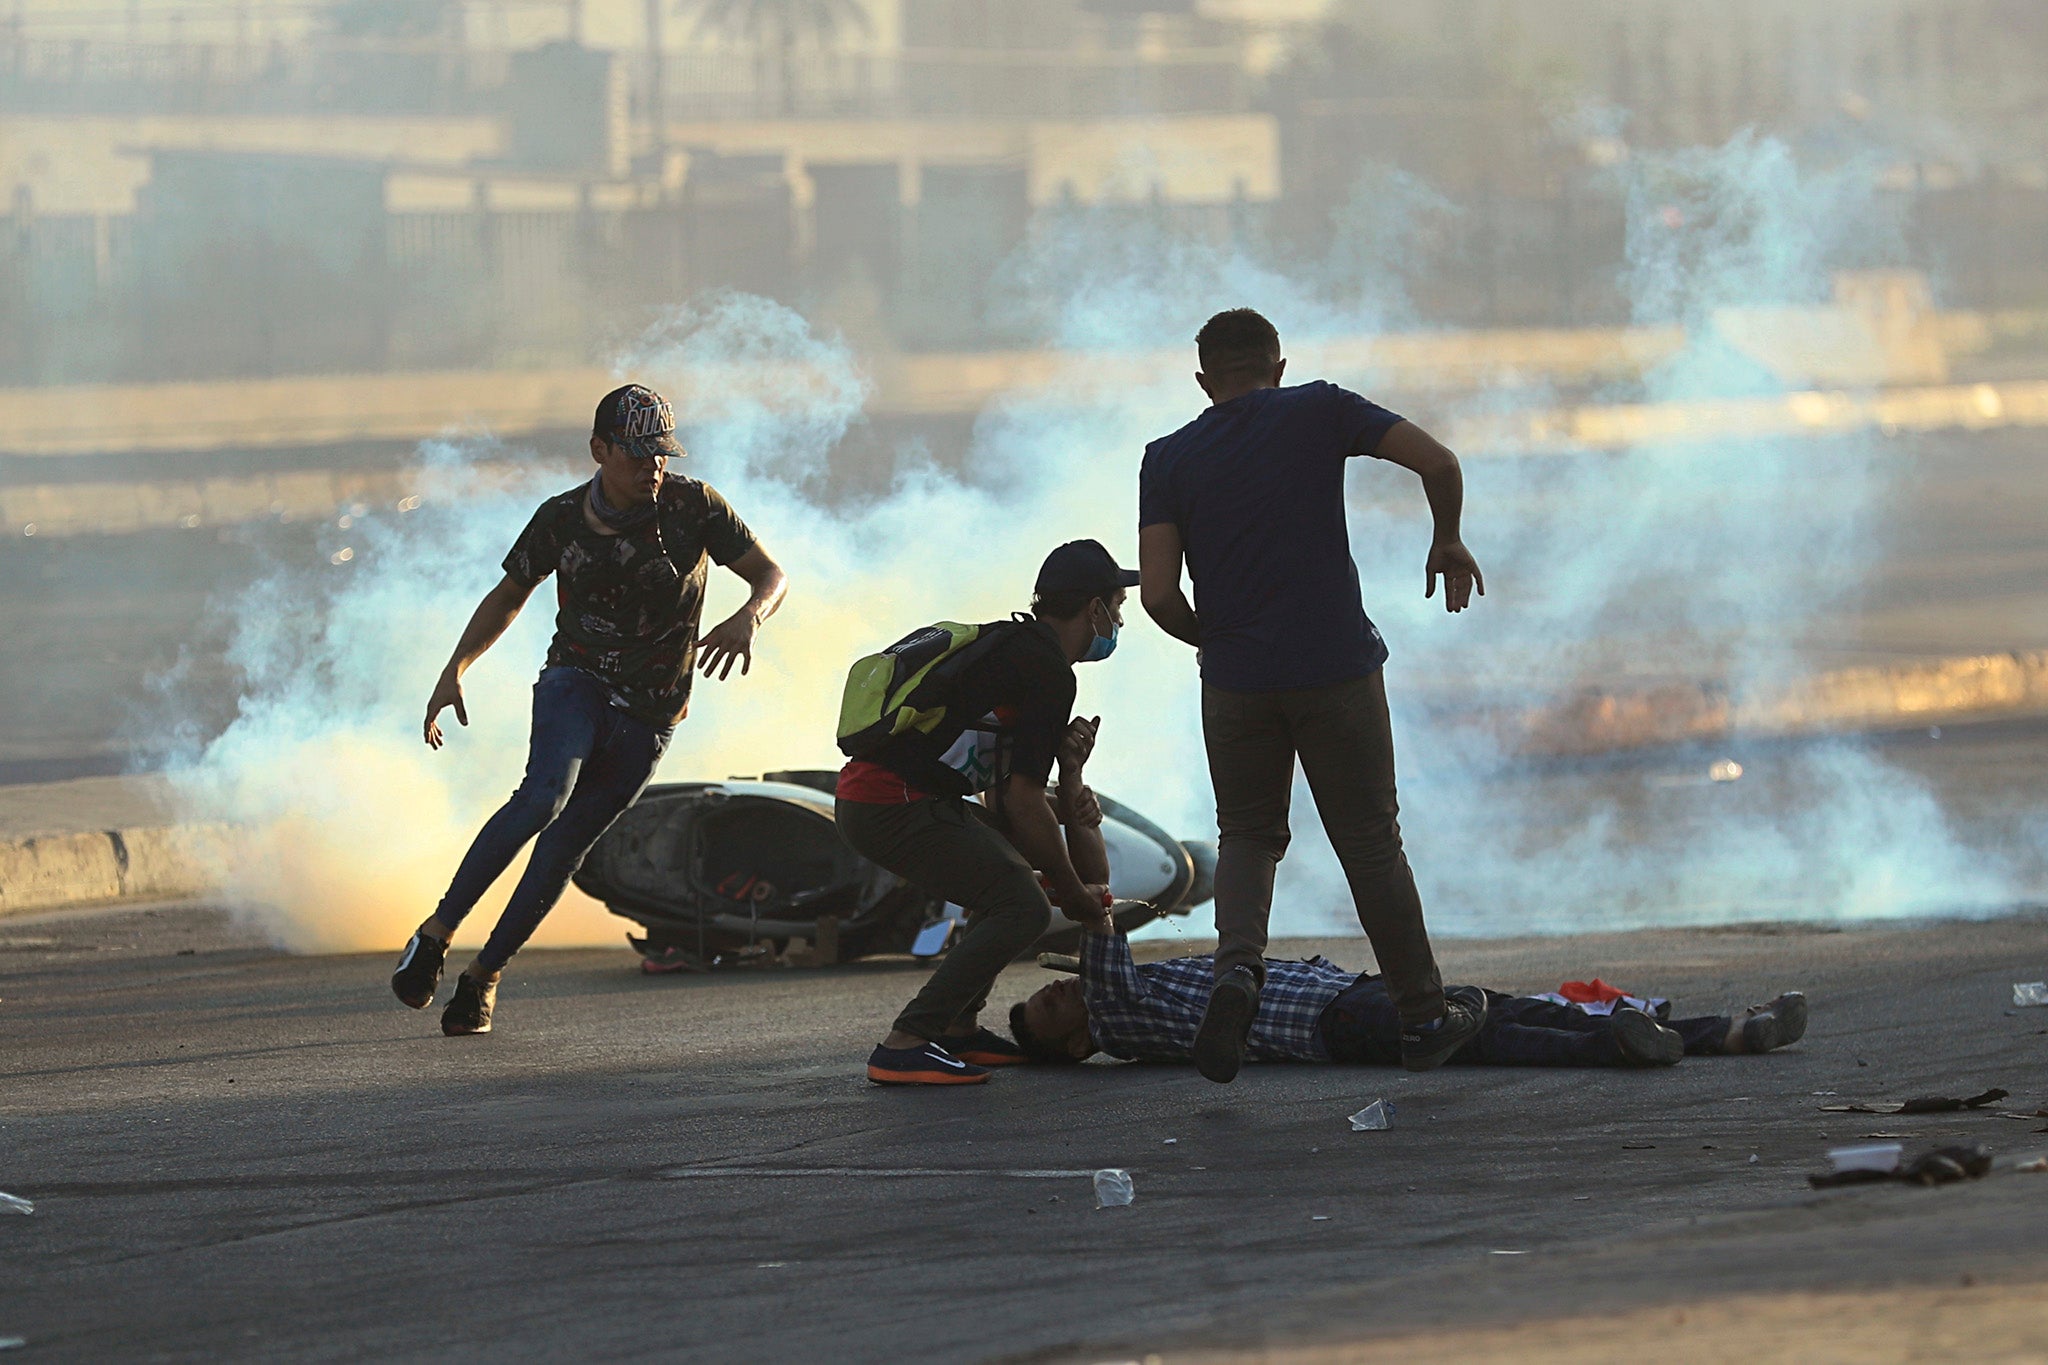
(199,188)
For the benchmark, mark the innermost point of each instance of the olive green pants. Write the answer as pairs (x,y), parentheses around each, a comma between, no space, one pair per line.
(946,847)
(1346,746)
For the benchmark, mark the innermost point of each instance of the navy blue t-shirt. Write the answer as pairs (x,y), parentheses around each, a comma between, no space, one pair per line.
(1256,486)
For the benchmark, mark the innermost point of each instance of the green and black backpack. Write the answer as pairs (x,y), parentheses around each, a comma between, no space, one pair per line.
(904,689)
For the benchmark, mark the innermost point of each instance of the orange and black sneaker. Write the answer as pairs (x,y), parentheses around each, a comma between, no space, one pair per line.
(927,1064)
(984,1047)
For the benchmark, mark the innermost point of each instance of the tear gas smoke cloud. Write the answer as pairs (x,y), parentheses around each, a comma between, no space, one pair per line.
(1712,559)
(1726,560)
(354,826)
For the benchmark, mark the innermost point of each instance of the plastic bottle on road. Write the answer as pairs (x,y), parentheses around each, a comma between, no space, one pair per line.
(15,1204)
(1379,1114)
(1113,1189)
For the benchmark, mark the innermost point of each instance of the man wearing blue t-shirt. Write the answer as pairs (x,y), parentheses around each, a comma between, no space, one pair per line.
(1251,495)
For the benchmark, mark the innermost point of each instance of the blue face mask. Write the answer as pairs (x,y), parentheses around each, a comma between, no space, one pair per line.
(1102,646)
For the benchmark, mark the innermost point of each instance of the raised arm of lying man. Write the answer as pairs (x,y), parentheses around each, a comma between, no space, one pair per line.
(1147,1014)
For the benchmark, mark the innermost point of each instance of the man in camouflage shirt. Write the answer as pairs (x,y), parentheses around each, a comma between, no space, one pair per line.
(630,552)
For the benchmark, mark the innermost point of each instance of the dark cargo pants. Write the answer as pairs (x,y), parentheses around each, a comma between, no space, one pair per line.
(1346,745)
(1359,1026)
(945,847)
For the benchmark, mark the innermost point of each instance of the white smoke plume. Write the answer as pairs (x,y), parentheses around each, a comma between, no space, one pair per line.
(1719,560)
(1704,560)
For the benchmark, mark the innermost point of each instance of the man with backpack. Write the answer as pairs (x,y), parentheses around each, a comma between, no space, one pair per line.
(943,714)
(1251,494)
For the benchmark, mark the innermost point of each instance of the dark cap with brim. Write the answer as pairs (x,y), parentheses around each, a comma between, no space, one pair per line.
(639,419)
(1083,566)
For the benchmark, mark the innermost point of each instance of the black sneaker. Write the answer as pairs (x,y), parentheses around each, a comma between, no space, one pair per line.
(470,1010)
(929,1064)
(1424,1047)
(1643,1041)
(984,1047)
(419,971)
(1775,1024)
(1219,1042)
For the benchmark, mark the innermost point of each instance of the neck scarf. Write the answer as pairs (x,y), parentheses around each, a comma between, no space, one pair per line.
(618,518)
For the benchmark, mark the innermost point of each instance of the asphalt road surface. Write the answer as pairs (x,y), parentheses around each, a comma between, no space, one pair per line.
(237,1154)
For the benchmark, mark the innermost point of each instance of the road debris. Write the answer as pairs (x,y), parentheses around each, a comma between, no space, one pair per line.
(1922,1104)
(14,1203)
(1379,1114)
(1883,1158)
(1113,1189)
(2039,1163)
(1942,1166)
(2030,992)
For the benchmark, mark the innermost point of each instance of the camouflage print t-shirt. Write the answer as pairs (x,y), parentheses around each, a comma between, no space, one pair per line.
(630,603)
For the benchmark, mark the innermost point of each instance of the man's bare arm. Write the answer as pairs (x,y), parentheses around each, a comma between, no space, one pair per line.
(1159,565)
(1085,844)
(733,638)
(1080,813)
(490,620)
(1035,830)
(1443,483)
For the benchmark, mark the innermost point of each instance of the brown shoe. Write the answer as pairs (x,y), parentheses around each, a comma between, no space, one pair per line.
(1643,1041)
(1775,1023)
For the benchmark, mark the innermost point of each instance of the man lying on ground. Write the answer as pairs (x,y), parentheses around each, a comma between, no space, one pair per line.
(1315,1011)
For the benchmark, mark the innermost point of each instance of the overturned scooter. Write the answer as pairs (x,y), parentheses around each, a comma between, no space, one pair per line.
(724,873)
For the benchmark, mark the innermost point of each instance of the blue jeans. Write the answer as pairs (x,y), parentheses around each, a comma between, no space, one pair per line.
(586,762)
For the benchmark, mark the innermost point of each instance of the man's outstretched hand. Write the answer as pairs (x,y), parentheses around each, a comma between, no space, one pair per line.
(1091,909)
(730,640)
(447,693)
(1080,808)
(1460,572)
(1078,743)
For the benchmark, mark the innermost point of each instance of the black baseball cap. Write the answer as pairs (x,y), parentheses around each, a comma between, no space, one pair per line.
(1083,566)
(639,419)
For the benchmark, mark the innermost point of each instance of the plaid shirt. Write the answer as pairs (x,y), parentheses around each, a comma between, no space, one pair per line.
(1150,1012)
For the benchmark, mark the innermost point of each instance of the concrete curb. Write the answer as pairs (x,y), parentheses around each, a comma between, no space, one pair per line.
(60,871)
(1971,688)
